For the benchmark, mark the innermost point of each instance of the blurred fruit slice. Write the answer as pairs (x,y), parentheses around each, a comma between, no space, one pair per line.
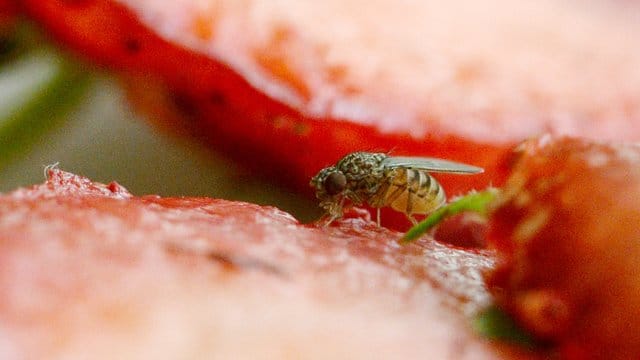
(289,87)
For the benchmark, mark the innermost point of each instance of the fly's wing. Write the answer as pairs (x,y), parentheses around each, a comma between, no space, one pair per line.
(430,165)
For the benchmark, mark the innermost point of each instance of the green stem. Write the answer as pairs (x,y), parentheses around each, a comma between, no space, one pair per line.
(476,202)
(494,324)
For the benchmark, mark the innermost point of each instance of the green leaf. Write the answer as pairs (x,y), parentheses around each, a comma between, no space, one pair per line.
(44,111)
(494,324)
(476,202)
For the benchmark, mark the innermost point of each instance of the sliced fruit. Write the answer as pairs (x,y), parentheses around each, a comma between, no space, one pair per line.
(291,87)
(90,270)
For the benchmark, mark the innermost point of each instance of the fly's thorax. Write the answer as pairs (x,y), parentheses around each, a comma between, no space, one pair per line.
(364,172)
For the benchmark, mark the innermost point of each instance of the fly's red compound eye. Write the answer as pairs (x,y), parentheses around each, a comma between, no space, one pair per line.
(335,183)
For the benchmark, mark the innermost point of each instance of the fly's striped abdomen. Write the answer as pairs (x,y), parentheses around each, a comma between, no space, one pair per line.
(409,191)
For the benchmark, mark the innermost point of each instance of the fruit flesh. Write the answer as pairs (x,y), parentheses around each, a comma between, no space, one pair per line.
(91,270)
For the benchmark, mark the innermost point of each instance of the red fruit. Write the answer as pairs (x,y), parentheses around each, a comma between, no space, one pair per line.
(91,271)
(569,245)
(8,10)
(466,230)
(290,87)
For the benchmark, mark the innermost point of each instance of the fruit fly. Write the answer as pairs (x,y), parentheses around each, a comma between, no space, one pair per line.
(403,183)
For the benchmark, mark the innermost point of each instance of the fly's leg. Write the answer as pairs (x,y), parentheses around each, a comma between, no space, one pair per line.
(378,216)
(412,219)
(332,218)
(335,212)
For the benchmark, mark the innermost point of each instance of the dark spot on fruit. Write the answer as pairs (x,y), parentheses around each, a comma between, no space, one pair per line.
(236,263)
(301,129)
(132,46)
(280,122)
(77,2)
(217,98)
(184,104)
(229,262)
(290,124)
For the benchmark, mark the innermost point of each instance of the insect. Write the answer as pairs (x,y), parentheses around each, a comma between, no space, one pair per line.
(403,183)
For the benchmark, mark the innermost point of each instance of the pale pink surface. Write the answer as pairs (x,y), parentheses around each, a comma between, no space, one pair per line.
(90,271)
(505,69)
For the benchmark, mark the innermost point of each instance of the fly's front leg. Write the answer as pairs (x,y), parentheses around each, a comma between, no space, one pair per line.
(332,218)
(413,220)
(378,216)
(335,212)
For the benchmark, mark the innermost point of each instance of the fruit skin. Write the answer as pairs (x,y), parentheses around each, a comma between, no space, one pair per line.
(219,106)
(568,241)
(90,270)
(8,11)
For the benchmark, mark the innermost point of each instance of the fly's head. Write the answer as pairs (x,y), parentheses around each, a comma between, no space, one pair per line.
(354,179)
(330,185)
